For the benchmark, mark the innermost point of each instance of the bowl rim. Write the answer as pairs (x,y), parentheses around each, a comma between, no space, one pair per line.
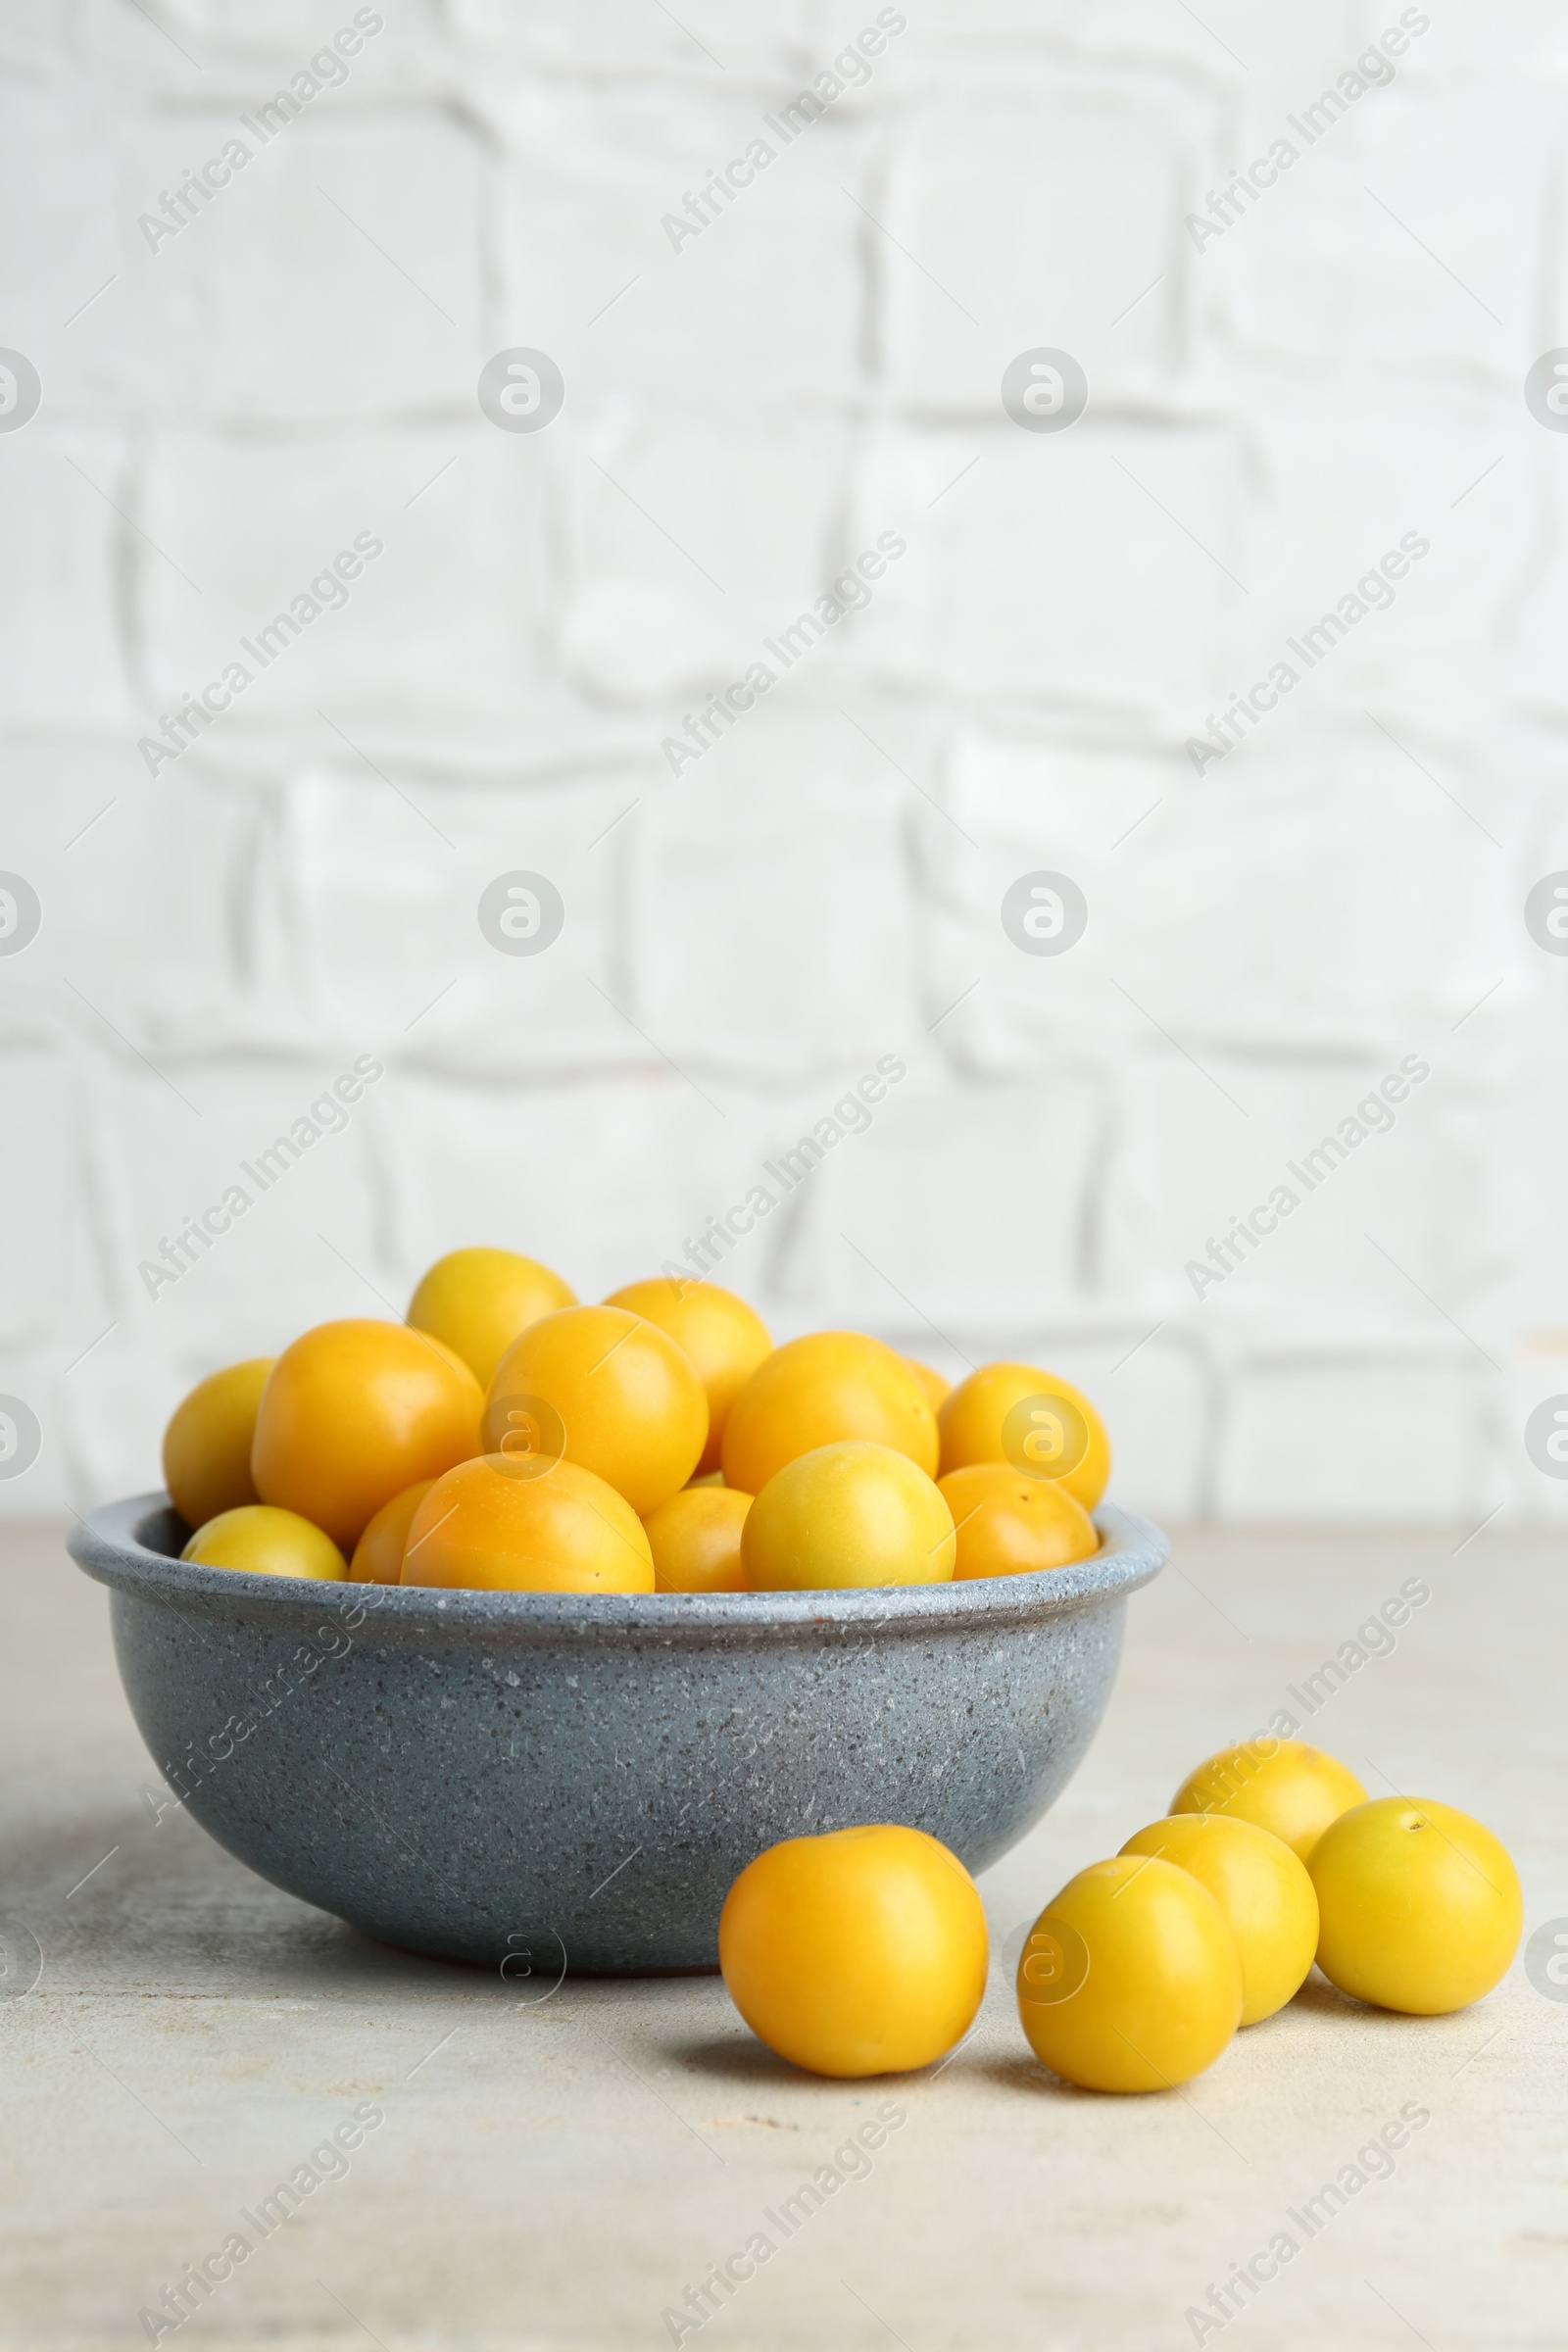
(115,1545)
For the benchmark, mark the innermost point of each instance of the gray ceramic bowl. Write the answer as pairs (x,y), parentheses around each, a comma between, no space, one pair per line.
(546,1781)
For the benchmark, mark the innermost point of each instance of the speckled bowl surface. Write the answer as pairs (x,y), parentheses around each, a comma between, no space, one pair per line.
(545,1782)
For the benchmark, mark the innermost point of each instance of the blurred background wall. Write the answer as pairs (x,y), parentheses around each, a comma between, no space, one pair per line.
(765,378)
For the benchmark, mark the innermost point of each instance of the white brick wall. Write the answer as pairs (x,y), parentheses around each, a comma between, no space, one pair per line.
(744,416)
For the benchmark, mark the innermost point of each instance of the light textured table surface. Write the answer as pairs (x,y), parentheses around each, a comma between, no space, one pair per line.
(558,2174)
